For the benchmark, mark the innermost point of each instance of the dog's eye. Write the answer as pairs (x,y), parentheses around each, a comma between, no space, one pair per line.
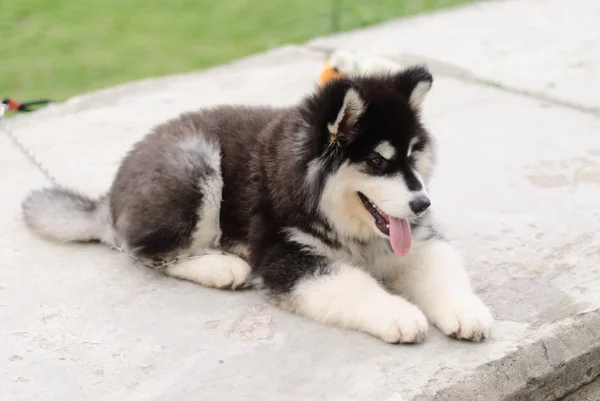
(375,160)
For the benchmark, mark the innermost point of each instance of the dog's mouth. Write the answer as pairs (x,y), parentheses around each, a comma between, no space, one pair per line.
(397,229)
(382,220)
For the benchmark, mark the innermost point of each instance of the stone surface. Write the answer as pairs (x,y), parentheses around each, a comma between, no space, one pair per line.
(546,47)
(591,392)
(517,189)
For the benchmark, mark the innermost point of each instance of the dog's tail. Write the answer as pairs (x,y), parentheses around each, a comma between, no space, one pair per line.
(64,215)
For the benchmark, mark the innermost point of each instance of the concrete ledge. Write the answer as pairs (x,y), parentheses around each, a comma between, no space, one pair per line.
(590,392)
(548,369)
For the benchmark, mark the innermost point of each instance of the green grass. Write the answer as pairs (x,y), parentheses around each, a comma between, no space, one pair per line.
(59,48)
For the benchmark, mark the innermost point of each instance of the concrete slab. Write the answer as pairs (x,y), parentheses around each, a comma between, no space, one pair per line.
(517,190)
(550,48)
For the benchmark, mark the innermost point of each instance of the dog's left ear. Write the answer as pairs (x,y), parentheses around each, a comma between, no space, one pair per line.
(341,129)
(414,83)
(334,111)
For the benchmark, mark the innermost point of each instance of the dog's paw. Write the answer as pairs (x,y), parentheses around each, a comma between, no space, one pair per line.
(398,321)
(217,271)
(234,274)
(464,318)
(241,273)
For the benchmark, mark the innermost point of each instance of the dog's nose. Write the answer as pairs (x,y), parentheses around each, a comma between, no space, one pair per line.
(419,205)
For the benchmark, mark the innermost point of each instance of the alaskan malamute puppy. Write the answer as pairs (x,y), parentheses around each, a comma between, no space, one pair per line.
(325,204)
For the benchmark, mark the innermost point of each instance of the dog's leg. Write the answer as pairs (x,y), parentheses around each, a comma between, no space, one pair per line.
(167,202)
(213,270)
(436,281)
(345,296)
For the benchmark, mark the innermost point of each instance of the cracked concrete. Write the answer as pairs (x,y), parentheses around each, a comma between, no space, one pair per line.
(516,189)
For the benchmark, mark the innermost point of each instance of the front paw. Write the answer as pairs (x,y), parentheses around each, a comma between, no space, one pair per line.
(463,317)
(399,321)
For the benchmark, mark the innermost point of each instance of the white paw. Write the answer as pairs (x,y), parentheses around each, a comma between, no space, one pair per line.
(464,318)
(217,271)
(399,321)
(233,274)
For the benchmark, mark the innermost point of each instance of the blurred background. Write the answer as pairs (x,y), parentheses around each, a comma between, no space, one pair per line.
(57,48)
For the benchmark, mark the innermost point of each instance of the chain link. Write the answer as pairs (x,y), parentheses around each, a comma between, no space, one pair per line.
(152,264)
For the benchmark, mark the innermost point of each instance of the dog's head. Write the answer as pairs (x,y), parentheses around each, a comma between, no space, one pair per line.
(372,157)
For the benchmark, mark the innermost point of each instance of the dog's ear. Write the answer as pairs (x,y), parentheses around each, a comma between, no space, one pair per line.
(335,110)
(414,83)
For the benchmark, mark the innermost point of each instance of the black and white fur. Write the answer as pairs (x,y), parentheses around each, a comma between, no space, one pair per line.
(279,187)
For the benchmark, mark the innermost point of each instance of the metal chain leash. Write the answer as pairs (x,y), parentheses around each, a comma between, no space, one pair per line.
(9,132)
(152,264)
(162,264)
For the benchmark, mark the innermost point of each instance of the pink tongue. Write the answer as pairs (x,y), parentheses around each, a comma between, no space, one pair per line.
(400,236)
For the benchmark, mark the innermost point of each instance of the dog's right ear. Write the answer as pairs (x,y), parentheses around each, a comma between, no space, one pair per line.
(335,110)
(414,83)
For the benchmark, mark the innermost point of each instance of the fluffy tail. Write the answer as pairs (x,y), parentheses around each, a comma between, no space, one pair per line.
(64,215)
